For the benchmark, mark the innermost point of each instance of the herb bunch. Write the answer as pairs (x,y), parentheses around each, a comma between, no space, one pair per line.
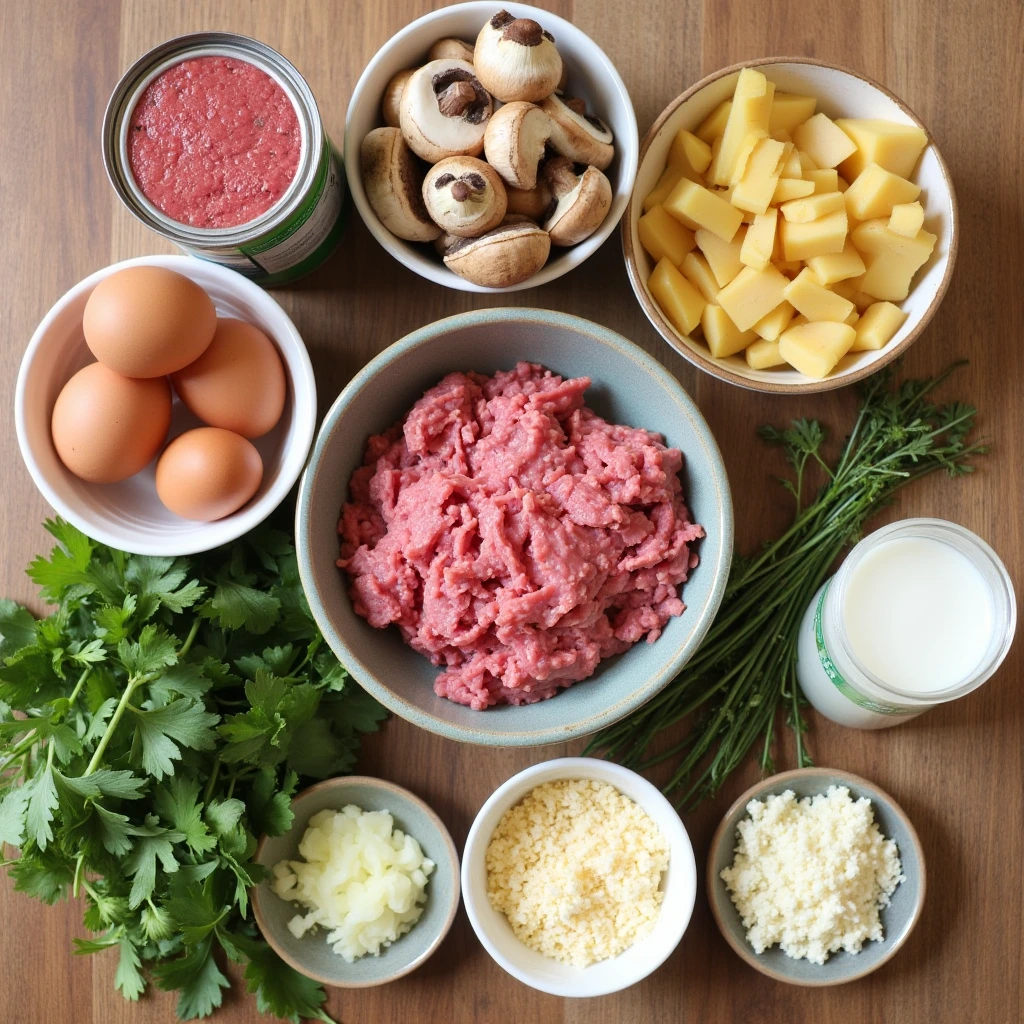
(744,672)
(168,709)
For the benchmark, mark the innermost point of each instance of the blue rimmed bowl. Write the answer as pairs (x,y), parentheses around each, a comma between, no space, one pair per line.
(628,387)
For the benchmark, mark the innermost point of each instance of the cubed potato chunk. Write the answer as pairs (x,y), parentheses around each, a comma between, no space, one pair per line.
(791,165)
(876,191)
(791,188)
(880,322)
(893,146)
(759,241)
(907,219)
(724,338)
(689,155)
(834,267)
(698,207)
(697,271)
(781,135)
(852,317)
(806,164)
(825,180)
(816,238)
(888,276)
(723,257)
(752,295)
(662,235)
(751,109)
(678,299)
(825,143)
(790,110)
(670,177)
(809,296)
(771,326)
(763,354)
(841,183)
(743,155)
(848,287)
(815,348)
(713,126)
(811,207)
(875,236)
(754,191)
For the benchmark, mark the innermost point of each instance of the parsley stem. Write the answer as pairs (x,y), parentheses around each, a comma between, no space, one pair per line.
(214,772)
(187,645)
(78,686)
(115,719)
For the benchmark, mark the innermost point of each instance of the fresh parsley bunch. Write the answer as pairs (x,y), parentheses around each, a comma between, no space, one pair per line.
(150,729)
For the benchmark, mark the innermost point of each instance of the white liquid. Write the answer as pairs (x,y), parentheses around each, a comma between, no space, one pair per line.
(918,614)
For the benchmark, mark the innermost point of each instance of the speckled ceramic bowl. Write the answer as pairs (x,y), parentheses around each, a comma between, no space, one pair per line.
(898,919)
(628,387)
(311,955)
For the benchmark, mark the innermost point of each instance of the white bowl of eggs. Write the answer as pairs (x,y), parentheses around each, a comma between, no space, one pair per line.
(165,405)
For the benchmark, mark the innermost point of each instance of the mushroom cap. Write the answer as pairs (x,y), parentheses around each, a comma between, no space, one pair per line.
(390,102)
(464,196)
(582,138)
(505,256)
(580,210)
(450,47)
(516,59)
(537,203)
(393,180)
(444,110)
(514,142)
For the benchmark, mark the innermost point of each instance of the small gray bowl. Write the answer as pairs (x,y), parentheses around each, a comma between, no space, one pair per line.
(311,955)
(898,919)
(628,387)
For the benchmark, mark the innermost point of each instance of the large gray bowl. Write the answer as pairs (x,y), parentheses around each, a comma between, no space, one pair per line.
(628,387)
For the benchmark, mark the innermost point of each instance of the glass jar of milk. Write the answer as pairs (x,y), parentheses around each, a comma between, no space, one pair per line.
(920,613)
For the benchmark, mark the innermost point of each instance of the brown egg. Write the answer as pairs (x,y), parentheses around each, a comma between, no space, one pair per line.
(106,427)
(148,321)
(238,383)
(208,473)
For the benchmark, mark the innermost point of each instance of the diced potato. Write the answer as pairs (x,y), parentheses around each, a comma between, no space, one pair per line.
(763,354)
(788,267)
(810,297)
(743,155)
(815,348)
(781,135)
(812,207)
(798,320)
(759,241)
(891,259)
(874,236)
(806,164)
(825,143)
(852,317)
(907,219)
(888,276)
(841,183)
(689,155)
(848,287)
(880,322)
(723,257)
(751,108)
(752,295)
(771,326)
(893,146)
(669,179)
(697,271)
(755,189)
(835,267)
(791,165)
(697,207)
(790,110)
(876,191)
(662,235)
(825,180)
(724,338)
(816,238)
(713,126)
(678,299)
(791,188)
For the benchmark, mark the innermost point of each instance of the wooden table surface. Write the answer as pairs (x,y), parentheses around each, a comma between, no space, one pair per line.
(957,771)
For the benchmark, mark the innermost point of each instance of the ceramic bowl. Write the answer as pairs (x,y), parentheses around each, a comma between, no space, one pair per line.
(679,884)
(628,387)
(840,93)
(129,515)
(310,955)
(898,919)
(591,75)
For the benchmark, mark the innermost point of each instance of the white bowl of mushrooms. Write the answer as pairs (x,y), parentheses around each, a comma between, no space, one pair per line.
(490,148)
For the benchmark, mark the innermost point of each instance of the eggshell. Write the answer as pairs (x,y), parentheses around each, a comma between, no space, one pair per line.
(208,473)
(148,321)
(106,427)
(238,383)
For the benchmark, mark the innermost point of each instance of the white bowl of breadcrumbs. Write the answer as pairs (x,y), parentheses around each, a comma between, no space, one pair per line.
(578,877)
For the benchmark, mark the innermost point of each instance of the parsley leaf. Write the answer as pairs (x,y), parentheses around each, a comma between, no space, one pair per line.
(17,627)
(67,565)
(128,978)
(42,802)
(156,843)
(185,720)
(238,605)
(270,803)
(280,989)
(177,802)
(197,979)
(153,651)
(12,815)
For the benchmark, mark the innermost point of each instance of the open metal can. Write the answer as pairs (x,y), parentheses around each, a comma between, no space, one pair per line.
(300,230)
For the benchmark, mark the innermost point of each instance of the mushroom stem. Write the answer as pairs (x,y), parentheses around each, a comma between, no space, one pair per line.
(576,105)
(561,176)
(524,31)
(453,100)
(461,191)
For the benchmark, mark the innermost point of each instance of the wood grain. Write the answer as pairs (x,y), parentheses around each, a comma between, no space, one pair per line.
(957,771)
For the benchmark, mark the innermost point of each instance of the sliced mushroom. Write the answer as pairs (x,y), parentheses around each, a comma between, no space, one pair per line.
(580,136)
(538,204)
(391,102)
(447,48)
(444,110)
(464,196)
(508,255)
(514,142)
(582,204)
(393,179)
(445,242)
(516,59)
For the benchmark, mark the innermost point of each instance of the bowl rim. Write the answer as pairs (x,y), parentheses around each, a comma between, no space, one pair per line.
(702,620)
(560,264)
(719,369)
(452,855)
(298,370)
(773,782)
(475,848)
